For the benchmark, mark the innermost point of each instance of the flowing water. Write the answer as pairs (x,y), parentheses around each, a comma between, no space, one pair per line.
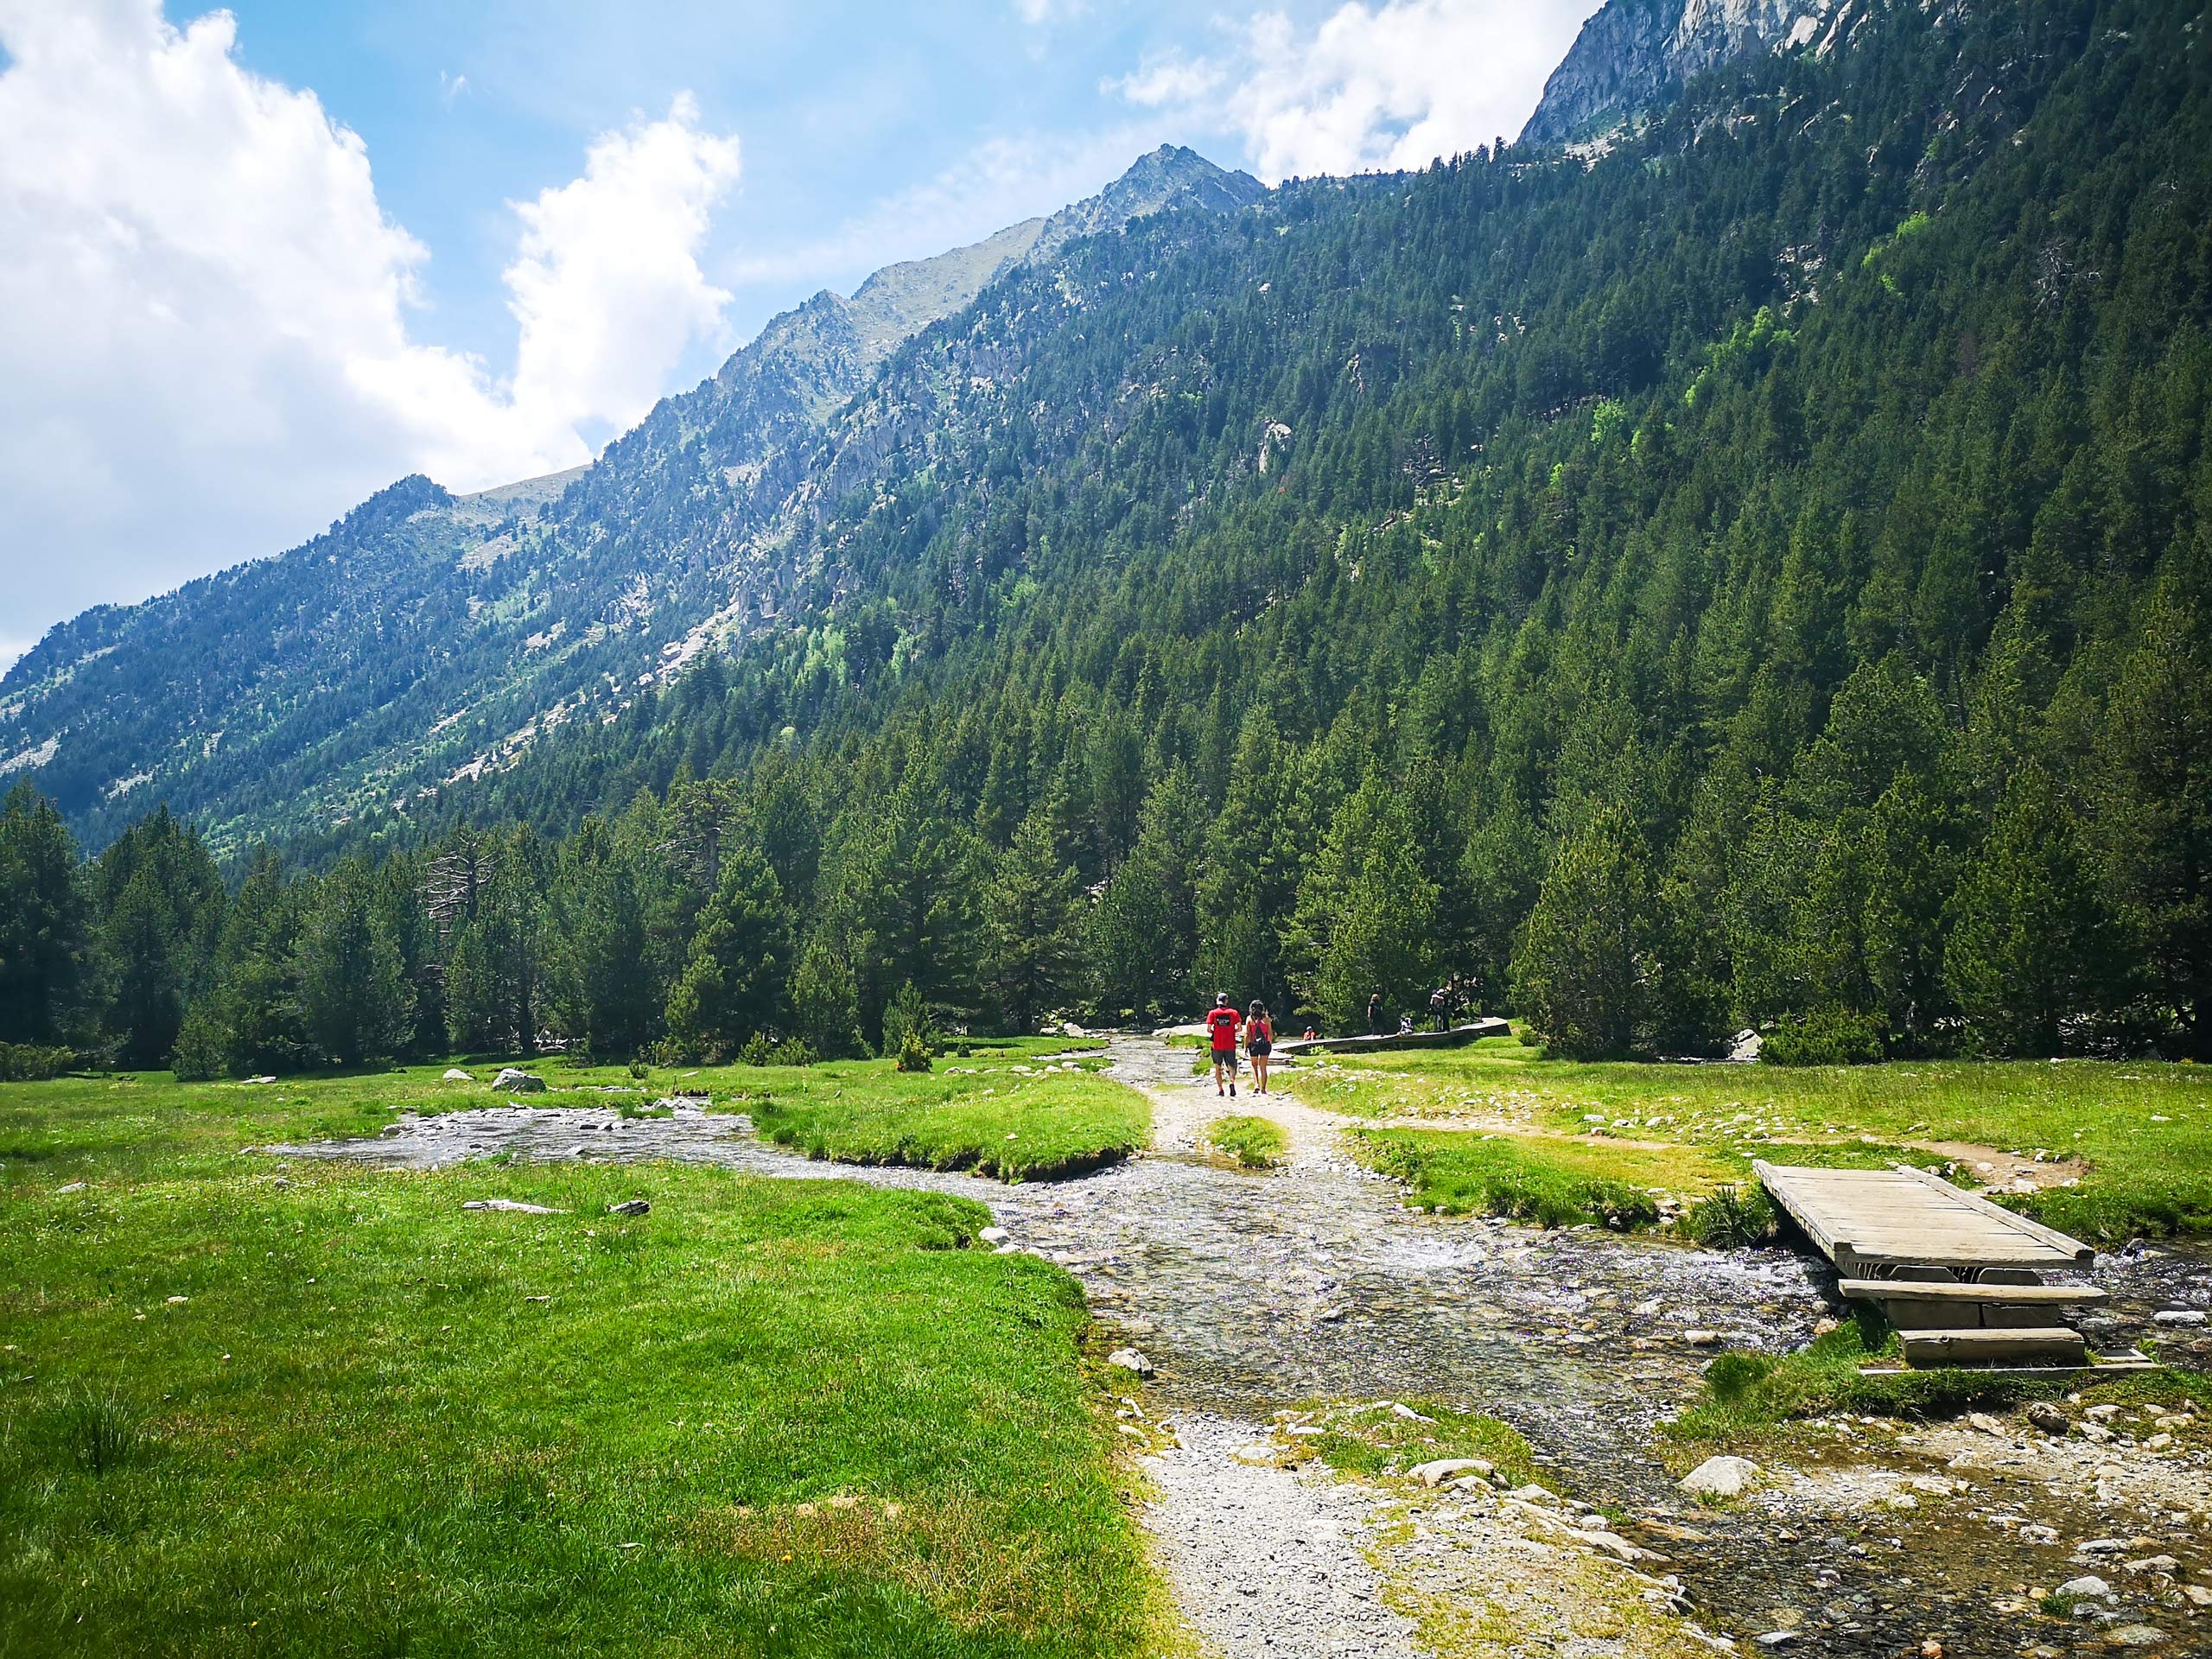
(1252,1293)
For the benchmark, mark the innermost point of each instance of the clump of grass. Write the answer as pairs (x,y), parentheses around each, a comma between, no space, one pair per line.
(1254,1142)
(1752,1395)
(1374,1438)
(1733,1219)
(100,1429)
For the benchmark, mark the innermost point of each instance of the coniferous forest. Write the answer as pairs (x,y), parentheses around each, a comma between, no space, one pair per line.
(1756,576)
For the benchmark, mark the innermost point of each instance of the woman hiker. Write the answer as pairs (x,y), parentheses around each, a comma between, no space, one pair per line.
(1259,1043)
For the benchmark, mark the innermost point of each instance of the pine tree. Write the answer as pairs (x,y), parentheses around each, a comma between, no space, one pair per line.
(825,1002)
(354,991)
(1032,917)
(44,923)
(1584,966)
(161,903)
(2033,949)
(1367,914)
(1142,937)
(734,984)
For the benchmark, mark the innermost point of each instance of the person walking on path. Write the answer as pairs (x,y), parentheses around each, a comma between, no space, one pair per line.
(1221,1029)
(1375,1014)
(1259,1043)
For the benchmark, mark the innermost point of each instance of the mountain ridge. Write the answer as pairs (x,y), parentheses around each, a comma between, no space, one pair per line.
(519,604)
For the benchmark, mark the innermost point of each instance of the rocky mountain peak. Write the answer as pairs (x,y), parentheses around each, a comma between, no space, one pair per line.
(1636,56)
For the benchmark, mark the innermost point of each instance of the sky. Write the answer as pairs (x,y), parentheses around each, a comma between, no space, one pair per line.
(256,263)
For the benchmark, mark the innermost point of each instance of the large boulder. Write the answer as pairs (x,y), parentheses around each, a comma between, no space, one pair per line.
(455,1074)
(513,1082)
(1720,1478)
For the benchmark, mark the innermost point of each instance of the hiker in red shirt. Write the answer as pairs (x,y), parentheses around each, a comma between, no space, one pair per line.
(1220,1029)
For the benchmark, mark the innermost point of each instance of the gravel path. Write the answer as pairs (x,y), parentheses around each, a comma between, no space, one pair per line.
(1266,1562)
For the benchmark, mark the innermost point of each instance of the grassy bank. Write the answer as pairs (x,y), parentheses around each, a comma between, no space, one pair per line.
(2142,1129)
(998,1116)
(1554,1183)
(1751,1399)
(331,1411)
(53,1132)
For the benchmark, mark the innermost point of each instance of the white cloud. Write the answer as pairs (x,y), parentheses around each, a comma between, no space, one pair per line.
(1035,12)
(1167,78)
(206,318)
(451,86)
(1394,84)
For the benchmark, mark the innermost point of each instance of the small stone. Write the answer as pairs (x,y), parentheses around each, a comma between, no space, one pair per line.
(630,1207)
(1985,1423)
(174,1300)
(514,1082)
(1776,1639)
(2174,1316)
(2035,1532)
(2151,1564)
(2197,1594)
(1443,1469)
(1902,1501)
(455,1074)
(2096,1433)
(995,1235)
(2159,1442)
(2101,1413)
(2050,1419)
(510,1206)
(2087,1585)
(1702,1339)
(1721,1476)
(2137,1636)
(1129,1359)
(73,1186)
(2103,1546)
(1935,1486)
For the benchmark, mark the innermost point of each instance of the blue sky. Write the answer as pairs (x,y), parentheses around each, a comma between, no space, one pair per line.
(257,263)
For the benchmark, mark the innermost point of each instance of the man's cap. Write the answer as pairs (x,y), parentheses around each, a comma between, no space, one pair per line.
(1221,999)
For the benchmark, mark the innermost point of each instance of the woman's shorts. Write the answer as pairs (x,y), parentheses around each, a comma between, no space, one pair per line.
(1260,1050)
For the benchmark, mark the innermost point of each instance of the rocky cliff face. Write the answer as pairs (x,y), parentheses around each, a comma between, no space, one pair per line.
(1636,55)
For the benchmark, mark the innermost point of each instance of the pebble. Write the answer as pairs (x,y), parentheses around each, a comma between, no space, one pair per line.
(510,1206)
(2087,1585)
(2050,1419)
(2178,1316)
(629,1207)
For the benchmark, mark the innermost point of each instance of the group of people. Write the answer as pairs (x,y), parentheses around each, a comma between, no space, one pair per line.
(1225,1026)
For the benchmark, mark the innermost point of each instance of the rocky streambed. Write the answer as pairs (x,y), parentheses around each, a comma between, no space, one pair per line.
(1252,1297)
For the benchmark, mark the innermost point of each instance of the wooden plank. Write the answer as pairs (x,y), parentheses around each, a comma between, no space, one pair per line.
(1863,1219)
(2055,1345)
(1884,1290)
(1997,1212)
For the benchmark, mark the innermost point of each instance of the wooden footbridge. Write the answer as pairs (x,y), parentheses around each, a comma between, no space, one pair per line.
(1959,1277)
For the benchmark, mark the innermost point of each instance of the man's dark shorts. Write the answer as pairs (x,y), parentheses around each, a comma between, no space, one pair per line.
(1225,1057)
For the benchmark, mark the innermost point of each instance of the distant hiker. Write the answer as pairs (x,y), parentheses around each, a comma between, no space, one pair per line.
(1221,1029)
(1311,1034)
(1439,1006)
(1375,1025)
(1405,1025)
(1259,1043)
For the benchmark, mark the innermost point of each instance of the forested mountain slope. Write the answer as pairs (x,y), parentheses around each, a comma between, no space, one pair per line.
(427,635)
(1762,575)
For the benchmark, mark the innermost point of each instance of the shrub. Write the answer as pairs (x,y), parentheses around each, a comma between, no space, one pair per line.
(793,1050)
(913,1052)
(33,1063)
(640,1070)
(1733,1218)
(756,1051)
(1826,1037)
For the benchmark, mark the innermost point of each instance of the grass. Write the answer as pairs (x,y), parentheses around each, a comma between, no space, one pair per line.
(1556,1183)
(1371,1438)
(52,1133)
(329,1412)
(2143,1128)
(1010,1119)
(1750,1398)
(1254,1142)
